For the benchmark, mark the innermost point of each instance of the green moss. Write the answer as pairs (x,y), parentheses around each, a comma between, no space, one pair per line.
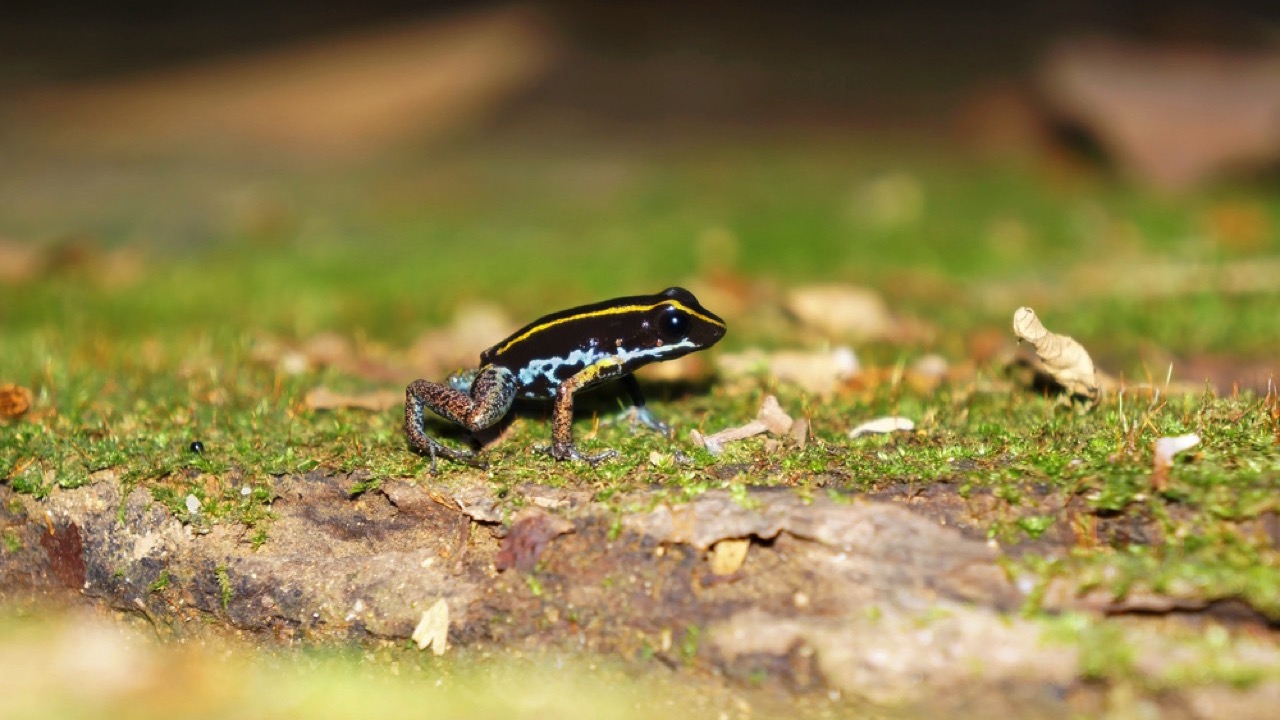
(126,375)
(535,585)
(690,642)
(12,543)
(160,584)
(224,585)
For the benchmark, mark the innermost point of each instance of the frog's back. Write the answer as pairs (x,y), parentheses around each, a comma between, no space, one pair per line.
(551,349)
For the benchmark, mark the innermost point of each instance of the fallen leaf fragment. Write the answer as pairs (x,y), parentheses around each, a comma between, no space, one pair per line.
(1163,451)
(530,534)
(1065,360)
(799,433)
(883,425)
(713,446)
(727,556)
(771,419)
(775,419)
(15,400)
(433,629)
(322,398)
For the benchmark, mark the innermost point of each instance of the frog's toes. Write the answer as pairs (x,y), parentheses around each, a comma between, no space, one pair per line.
(569,451)
(465,457)
(641,416)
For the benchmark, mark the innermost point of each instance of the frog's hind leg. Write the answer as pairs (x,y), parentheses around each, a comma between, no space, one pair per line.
(492,392)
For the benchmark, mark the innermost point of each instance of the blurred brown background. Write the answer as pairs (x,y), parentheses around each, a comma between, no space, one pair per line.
(141,120)
(355,76)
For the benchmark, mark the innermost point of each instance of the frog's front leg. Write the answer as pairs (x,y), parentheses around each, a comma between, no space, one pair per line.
(492,392)
(562,445)
(639,412)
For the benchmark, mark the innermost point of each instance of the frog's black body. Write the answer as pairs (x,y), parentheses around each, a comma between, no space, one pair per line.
(559,355)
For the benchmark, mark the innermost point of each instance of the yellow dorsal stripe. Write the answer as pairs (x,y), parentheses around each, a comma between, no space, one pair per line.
(618,310)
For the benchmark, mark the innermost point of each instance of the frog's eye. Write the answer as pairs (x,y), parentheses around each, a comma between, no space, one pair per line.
(673,323)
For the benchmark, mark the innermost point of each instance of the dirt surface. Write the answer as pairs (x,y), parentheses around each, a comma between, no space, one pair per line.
(888,601)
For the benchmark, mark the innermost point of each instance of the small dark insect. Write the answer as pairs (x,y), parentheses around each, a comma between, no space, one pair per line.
(197,447)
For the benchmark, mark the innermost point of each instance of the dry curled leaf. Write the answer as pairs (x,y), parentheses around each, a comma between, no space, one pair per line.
(433,629)
(771,419)
(1163,451)
(799,433)
(883,425)
(775,419)
(1064,359)
(15,400)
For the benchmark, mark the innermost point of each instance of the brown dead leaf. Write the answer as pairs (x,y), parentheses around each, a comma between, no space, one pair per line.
(775,419)
(15,400)
(770,419)
(529,535)
(799,433)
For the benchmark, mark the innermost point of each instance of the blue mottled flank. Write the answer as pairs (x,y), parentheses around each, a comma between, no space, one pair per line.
(462,379)
(581,358)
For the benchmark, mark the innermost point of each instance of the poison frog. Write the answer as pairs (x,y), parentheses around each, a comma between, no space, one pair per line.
(556,357)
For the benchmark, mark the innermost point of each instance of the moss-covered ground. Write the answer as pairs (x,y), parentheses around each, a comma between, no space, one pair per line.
(141,338)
